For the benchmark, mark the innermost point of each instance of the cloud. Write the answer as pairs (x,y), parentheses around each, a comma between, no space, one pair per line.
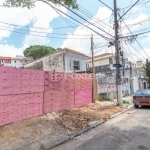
(133,24)
(145,53)
(7,50)
(43,18)
(40,16)
(84,45)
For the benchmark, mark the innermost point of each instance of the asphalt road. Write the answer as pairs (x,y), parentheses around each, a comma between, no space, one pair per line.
(129,131)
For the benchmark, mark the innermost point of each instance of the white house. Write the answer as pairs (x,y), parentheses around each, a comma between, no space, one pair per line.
(64,60)
(19,61)
(5,61)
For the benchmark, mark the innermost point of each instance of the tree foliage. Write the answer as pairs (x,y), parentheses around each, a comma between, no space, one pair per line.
(31,3)
(38,51)
(147,69)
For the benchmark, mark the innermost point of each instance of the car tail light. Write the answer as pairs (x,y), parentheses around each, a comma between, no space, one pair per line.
(134,97)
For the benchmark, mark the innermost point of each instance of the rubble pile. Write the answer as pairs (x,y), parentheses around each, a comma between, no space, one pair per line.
(79,118)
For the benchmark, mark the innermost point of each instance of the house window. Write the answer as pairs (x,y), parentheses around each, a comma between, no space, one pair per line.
(2,60)
(76,65)
(87,66)
(15,61)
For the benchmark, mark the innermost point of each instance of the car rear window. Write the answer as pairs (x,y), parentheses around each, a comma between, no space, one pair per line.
(143,92)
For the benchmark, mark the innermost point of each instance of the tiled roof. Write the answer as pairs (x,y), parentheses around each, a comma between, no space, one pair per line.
(101,55)
(21,58)
(3,57)
(74,52)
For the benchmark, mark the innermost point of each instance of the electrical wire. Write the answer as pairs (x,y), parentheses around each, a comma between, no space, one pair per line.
(135,53)
(128,10)
(77,21)
(82,18)
(135,35)
(45,32)
(136,39)
(96,19)
(140,22)
(35,27)
(140,3)
(106,5)
(65,19)
(44,36)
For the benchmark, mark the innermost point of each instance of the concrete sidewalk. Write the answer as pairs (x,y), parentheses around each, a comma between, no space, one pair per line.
(127,99)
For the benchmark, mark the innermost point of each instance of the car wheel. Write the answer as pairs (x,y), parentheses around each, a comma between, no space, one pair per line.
(136,106)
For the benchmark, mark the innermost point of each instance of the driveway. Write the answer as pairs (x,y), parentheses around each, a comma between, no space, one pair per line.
(129,131)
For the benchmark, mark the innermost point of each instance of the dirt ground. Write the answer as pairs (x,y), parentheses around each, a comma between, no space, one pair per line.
(22,134)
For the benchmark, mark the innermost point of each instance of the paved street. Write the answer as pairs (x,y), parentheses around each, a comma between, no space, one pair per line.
(129,131)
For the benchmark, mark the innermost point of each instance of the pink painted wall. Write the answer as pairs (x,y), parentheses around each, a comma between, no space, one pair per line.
(19,107)
(59,91)
(20,81)
(28,93)
(83,89)
(21,94)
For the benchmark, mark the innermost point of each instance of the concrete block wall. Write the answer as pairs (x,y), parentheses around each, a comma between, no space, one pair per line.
(29,93)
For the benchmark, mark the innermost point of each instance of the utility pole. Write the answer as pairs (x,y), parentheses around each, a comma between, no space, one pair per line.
(130,70)
(118,77)
(93,71)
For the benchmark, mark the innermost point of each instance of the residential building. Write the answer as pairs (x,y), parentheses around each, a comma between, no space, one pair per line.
(139,64)
(142,79)
(64,60)
(5,61)
(106,74)
(20,61)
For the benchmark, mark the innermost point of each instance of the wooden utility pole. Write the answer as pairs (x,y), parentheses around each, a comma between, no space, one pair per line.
(93,71)
(130,70)
(118,77)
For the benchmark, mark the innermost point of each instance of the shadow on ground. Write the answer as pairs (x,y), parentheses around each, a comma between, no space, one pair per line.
(132,133)
(116,139)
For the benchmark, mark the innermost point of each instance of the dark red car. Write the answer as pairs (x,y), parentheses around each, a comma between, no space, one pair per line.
(141,98)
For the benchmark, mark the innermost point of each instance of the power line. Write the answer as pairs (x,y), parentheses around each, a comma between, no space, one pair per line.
(45,32)
(136,50)
(96,19)
(125,23)
(128,9)
(65,19)
(135,34)
(133,51)
(106,5)
(36,27)
(82,17)
(77,20)
(141,2)
(44,36)
(140,22)
(135,39)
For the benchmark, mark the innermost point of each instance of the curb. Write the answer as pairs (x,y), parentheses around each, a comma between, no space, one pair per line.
(115,115)
(97,123)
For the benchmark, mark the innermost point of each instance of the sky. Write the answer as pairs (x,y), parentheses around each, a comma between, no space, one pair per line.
(41,25)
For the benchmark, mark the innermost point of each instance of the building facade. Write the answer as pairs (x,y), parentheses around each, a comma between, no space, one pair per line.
(17,62)
(106,75)
(5,61)
(65,60)
(20,61)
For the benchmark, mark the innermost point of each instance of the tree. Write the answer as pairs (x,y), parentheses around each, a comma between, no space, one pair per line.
(38,51)
(31,3)
(59,49)
(147,69)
